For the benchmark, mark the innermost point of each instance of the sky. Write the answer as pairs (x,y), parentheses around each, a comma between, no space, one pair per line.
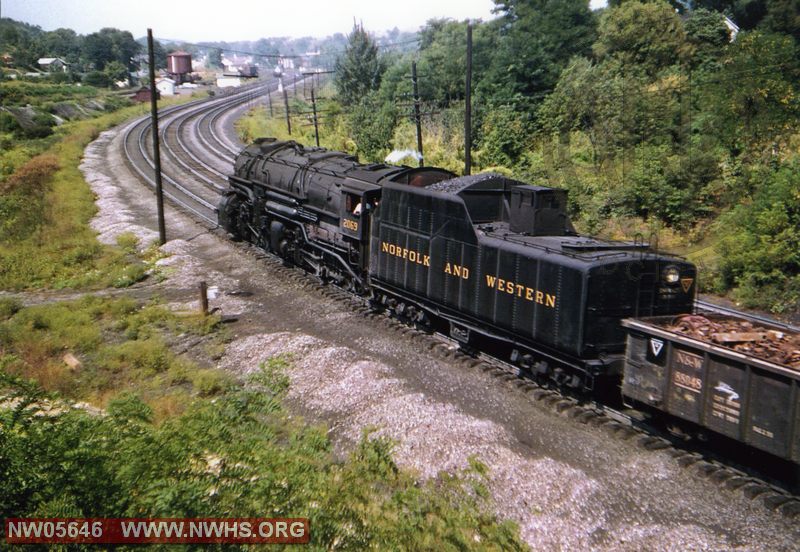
(232,20)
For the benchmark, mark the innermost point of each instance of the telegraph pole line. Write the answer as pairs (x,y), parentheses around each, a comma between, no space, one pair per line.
(314,109)
(162,232)
(468,107)
(286,106)
(416,112)
(269,99)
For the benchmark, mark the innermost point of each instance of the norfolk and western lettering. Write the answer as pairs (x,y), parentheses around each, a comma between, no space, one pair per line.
(500,285)
(513,288)
(408,254)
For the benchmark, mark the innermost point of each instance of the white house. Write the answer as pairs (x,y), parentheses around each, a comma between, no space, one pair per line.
(166,87)
(232,65)
(228,82)
(53,65)
(733,28)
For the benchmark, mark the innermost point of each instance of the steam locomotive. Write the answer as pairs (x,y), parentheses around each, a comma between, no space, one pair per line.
(490,261)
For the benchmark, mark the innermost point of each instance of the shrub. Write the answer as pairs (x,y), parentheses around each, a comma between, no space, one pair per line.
(210,382)
(760,253)
(9,306)
(129,242)
(8,123)
(96,78)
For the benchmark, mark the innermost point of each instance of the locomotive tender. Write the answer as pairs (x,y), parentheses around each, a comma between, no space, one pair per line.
(491,261)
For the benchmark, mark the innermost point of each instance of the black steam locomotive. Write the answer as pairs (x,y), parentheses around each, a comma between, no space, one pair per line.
(490,261)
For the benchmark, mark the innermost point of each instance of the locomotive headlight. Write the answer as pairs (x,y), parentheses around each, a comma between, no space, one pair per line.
(671,275)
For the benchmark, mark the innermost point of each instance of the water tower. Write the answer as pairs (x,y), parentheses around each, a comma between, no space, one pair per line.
(179,66)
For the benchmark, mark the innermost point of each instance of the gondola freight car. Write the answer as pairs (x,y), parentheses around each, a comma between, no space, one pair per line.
(738,391)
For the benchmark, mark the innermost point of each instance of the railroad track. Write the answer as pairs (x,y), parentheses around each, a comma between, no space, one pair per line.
(189,136)
(194,177)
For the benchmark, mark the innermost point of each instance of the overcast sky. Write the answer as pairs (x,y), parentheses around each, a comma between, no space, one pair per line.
(230,20)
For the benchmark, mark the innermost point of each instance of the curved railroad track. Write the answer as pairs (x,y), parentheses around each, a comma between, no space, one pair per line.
(196,158)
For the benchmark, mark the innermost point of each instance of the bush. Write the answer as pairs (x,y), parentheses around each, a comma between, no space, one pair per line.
(236,453)
(9,306)
(97,79)
(760,253)
(8,123)
(22,198)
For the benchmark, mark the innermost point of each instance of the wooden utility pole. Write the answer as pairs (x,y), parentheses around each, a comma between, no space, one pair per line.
(269,99)
(314,110)
(468,107)
(162,232)
(286,107)
(416,112)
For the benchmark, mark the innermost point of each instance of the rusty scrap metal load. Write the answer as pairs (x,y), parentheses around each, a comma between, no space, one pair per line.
(778,346)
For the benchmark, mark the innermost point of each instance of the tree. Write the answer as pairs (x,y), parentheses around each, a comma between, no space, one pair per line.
(115,71)
(160,55)
(783,16)
(649,35)
(97,50)
(761,252)
(754,100)
(372,127)
(110,45)
(96,78)
(360,69)
(708,35)
(538,38)
(63,43)
(215,57)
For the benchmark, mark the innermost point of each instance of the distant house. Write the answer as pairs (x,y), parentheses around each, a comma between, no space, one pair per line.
(166,87)
(233,64)
(228,82)
(143,94)
(733,28)
(53,65)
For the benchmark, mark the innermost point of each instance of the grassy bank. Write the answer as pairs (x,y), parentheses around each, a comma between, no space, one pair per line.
(46,206)
(177,440)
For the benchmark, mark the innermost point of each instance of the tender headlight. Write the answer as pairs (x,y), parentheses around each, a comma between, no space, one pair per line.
(671,275)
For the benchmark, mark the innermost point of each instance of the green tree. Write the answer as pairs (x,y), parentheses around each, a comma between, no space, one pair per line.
(783,16)
(753,101)
(63,43)
(96,78)
(115,71)
(708,35)
(215,57)
(97,50)
(537,40)
(372,125)
(760,254)
(746,13)
(109,45)
(359,70)
(160,55)
(649,35)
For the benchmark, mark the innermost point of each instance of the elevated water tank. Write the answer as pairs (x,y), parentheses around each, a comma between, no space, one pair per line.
(179,63)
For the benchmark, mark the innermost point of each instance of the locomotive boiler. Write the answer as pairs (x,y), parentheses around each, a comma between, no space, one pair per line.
(490,261)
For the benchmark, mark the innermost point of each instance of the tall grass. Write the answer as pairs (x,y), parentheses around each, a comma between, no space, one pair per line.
(45,238)
(121,345)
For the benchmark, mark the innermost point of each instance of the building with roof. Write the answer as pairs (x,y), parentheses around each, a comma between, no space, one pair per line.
(53,65)
(165,87)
